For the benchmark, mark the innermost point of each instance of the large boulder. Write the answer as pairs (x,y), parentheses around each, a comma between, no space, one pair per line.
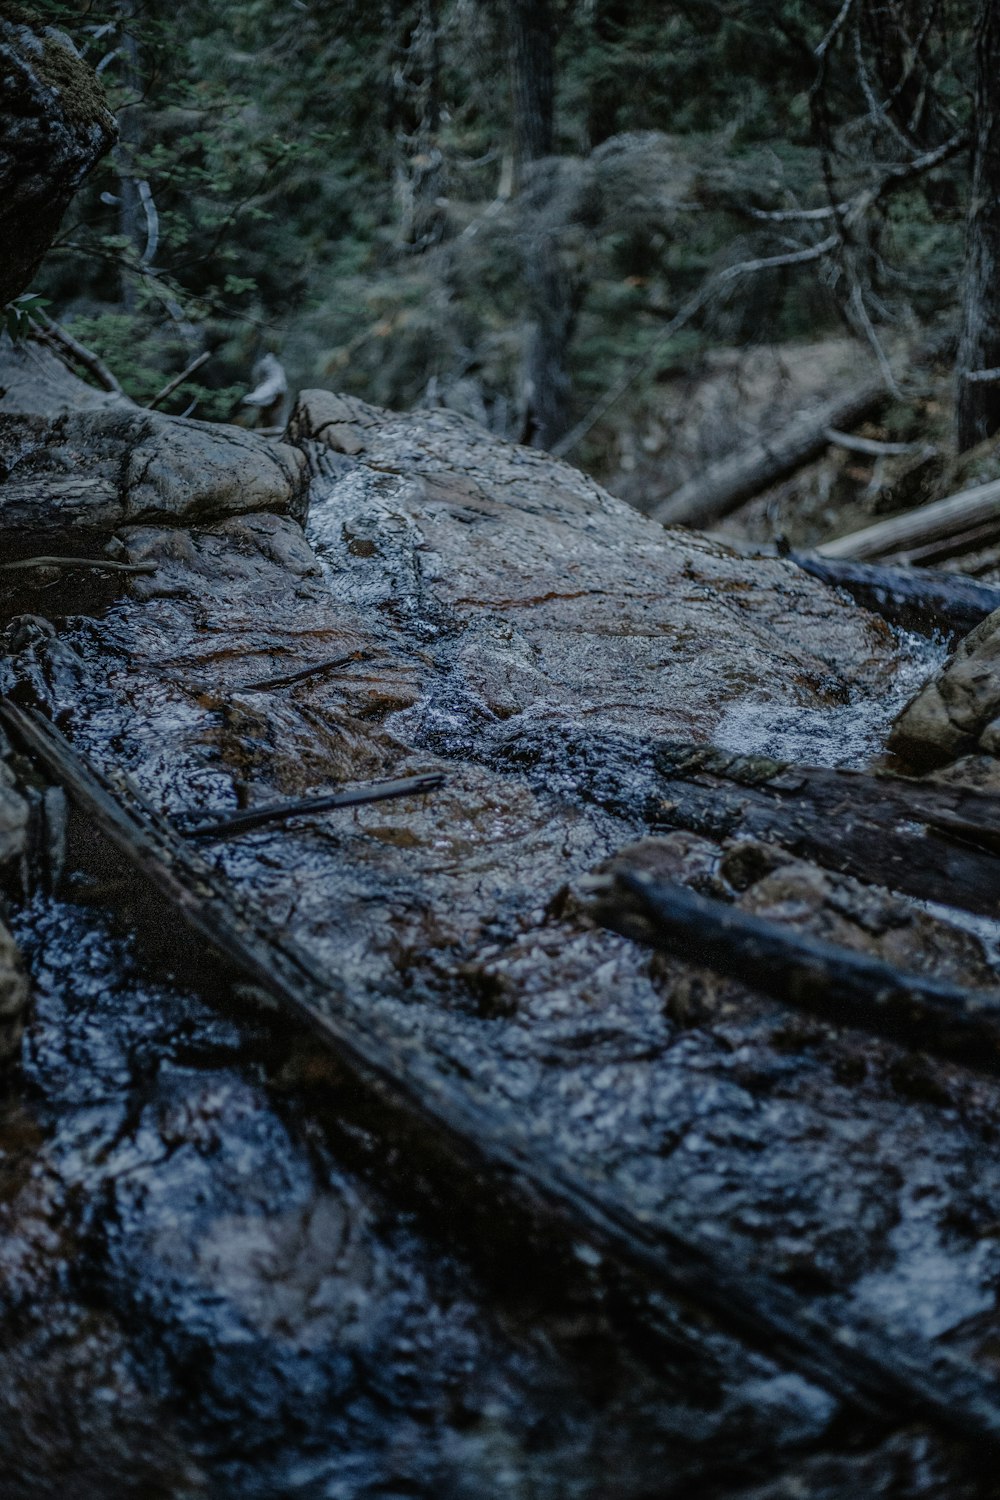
(54,126)
(74,460)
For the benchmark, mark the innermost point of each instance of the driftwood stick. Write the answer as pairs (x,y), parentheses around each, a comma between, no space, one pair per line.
(935,842)
(178,380)
(936,522)
(281,812)
(472,1150)
(725,485)
(316,670)
(99,564)
(842,985)
(916,598)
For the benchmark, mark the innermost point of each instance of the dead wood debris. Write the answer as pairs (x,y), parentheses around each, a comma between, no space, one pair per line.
(282,812)
(937,842)
(99,564)
(316,669)
(916,599)
(837,983)
(475,1151)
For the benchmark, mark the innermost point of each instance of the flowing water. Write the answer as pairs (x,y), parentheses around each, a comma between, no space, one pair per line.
(215,1279)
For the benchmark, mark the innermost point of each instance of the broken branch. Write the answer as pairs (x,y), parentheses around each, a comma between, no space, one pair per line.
(839,984)
(178,380)
(281,812)
(928,524)
(99,564)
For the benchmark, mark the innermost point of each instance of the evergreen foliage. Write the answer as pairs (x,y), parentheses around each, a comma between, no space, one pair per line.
(328,180)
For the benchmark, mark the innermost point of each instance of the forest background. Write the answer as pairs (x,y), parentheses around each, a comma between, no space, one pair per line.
(633,233)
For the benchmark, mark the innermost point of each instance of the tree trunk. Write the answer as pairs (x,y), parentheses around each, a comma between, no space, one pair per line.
(978,401)
(532,79)
(550,302)
(414,119)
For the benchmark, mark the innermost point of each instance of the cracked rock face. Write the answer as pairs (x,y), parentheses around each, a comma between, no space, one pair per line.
(956,713)
(54,127)
(74,460)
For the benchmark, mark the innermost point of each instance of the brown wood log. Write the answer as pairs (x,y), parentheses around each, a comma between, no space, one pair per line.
(940,843)
(727,484)
(477,1152)
(915,598)
(898,536)
(839,984)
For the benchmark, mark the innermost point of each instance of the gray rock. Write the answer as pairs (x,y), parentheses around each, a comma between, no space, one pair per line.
(956,713)
(54,126)
(75,459)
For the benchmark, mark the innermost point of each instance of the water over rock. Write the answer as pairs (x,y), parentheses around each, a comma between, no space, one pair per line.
(463,606)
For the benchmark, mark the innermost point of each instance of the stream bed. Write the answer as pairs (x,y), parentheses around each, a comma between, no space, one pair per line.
(221,1275)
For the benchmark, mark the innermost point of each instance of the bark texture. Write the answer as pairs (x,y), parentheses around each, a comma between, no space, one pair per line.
(54,126)
(977,410)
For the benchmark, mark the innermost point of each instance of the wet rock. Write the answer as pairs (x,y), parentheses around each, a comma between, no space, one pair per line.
(499,619)
(958,711)
(54,126)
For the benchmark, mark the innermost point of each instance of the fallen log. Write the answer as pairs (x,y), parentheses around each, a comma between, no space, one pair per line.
(473,1150)
(838,984)
(939,843)
(928,529)
(727,484)
(916,599)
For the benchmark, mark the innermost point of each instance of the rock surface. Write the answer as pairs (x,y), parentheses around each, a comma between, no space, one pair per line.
(956,713)
(54,126)
(476,609)
(101,462)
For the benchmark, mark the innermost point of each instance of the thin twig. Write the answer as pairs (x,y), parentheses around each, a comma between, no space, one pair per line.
(835,29)
(375,791)
(316,670)
(100,564)
(178,380)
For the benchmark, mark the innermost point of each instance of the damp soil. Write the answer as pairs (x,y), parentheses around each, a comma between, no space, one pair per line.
(195,1207)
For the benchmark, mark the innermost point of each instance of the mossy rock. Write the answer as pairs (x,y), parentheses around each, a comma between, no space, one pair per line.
(55,125)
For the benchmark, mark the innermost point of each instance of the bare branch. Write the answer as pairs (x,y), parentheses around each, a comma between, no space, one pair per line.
(71,350)
(178,380)
(835,30)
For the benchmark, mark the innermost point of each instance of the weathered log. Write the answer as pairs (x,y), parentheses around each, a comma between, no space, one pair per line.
(916,599)
(727,484)
(839,984)
(936,842)
(474,1152)
(97,564)
(929,528)
(307,807)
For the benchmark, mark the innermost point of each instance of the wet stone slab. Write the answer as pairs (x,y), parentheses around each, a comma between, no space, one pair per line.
(198,1298)
(513,627)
